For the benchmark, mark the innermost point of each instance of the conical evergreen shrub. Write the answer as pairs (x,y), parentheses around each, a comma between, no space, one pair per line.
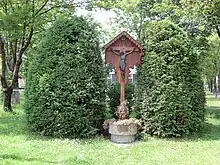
(170,94)
(65,94)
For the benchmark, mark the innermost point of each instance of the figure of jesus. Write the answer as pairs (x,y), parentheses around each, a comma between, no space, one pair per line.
(122,54)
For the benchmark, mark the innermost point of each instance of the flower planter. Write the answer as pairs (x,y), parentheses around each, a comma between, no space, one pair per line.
(122,132)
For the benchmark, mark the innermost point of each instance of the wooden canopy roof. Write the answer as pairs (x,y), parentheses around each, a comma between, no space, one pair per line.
(124,33)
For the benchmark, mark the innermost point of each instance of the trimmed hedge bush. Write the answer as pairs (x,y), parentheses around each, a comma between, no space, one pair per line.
(65,92)
(170,94)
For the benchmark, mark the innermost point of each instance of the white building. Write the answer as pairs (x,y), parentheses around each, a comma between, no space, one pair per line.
(112,79)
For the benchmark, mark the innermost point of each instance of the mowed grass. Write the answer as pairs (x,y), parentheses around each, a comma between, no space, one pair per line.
(18,147)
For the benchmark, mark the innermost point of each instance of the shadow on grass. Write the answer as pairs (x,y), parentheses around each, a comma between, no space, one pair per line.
(15,124)
(213,112)
(20,158)
(210,132)
(12,124)
(70,161)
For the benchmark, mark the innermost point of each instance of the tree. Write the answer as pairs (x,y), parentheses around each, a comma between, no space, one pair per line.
(170,93)
(131,14)
(19,21)
(211,63)
(208,14)
(207,11)
(66,86)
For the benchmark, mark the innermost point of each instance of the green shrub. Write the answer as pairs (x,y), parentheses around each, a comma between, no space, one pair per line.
(65,90)
(170,94)
(114,97)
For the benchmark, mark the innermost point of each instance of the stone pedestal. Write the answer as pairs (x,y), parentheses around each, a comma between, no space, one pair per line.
(121,133)
(15,97)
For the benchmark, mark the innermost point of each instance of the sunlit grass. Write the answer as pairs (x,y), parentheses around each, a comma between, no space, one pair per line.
(18,147)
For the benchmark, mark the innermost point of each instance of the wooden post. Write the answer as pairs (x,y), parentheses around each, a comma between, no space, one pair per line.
(122,99)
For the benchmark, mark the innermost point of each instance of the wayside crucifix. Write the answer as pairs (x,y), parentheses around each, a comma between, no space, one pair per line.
(123,53)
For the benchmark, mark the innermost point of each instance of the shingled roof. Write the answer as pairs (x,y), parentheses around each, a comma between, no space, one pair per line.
(124,33)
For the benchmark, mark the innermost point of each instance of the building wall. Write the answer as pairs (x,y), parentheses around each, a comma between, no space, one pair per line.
(112,79)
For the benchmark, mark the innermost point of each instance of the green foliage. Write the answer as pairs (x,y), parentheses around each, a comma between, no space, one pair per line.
(170,93)
(114,97)
(65,93)
(207,11)
(211,62)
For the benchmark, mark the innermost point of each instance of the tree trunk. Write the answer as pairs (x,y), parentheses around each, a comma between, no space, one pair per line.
(215,85)
(7,99)
(218,83)
(211,85)
(217,27)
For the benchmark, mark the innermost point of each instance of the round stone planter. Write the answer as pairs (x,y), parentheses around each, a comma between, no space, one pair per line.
(122,133)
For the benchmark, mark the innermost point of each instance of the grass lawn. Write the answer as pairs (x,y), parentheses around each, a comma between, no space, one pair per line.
(19,147)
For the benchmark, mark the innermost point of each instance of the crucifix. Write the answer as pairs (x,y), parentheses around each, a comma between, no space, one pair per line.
(123,53)
(121,71)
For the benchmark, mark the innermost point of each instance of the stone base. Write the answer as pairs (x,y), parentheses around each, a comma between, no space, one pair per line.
(124,139)
(15,97)
(122,133)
